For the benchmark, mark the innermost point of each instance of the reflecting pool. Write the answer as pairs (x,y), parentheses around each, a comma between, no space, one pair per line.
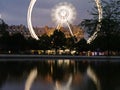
(59,75)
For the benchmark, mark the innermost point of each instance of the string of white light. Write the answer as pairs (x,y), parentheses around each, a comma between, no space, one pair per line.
(30,27)
(100,16)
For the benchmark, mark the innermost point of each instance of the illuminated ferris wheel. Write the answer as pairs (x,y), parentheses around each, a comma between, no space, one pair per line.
(64,13)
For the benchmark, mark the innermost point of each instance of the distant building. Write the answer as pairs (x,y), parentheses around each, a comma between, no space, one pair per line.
(77,31)
(13,29)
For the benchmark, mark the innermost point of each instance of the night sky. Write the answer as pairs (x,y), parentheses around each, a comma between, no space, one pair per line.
(14,12)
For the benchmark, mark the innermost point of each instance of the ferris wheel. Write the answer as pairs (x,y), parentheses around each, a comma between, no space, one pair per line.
(64,14)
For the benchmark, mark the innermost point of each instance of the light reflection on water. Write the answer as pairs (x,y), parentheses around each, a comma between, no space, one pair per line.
(58,75)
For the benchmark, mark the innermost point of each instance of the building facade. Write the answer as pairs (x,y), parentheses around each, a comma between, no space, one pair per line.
(77,31)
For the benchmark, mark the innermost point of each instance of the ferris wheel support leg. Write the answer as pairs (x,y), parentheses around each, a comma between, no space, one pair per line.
(58,27)
(70,29)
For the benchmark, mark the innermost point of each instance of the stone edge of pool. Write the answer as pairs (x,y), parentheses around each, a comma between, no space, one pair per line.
(5,57)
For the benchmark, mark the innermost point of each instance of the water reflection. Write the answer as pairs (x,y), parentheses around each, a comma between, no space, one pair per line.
(59,75)
(30,79)
(64,75)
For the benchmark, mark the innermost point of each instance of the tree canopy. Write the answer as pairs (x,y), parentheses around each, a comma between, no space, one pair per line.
(109,34)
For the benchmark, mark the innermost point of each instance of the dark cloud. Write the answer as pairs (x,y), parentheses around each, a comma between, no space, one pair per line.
(15,11)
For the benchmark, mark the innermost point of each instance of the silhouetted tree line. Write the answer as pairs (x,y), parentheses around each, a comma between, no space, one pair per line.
(17,43)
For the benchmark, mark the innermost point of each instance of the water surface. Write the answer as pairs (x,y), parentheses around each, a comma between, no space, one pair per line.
(59,75)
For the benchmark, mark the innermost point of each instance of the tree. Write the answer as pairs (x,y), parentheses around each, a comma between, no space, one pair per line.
(58,40)
(3,27)
(44,42)
(4,36)
(110,23)
(111,18)
(81,45)
(17,42)
(4,43)
(32,44)
(100,43)
(70,43)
